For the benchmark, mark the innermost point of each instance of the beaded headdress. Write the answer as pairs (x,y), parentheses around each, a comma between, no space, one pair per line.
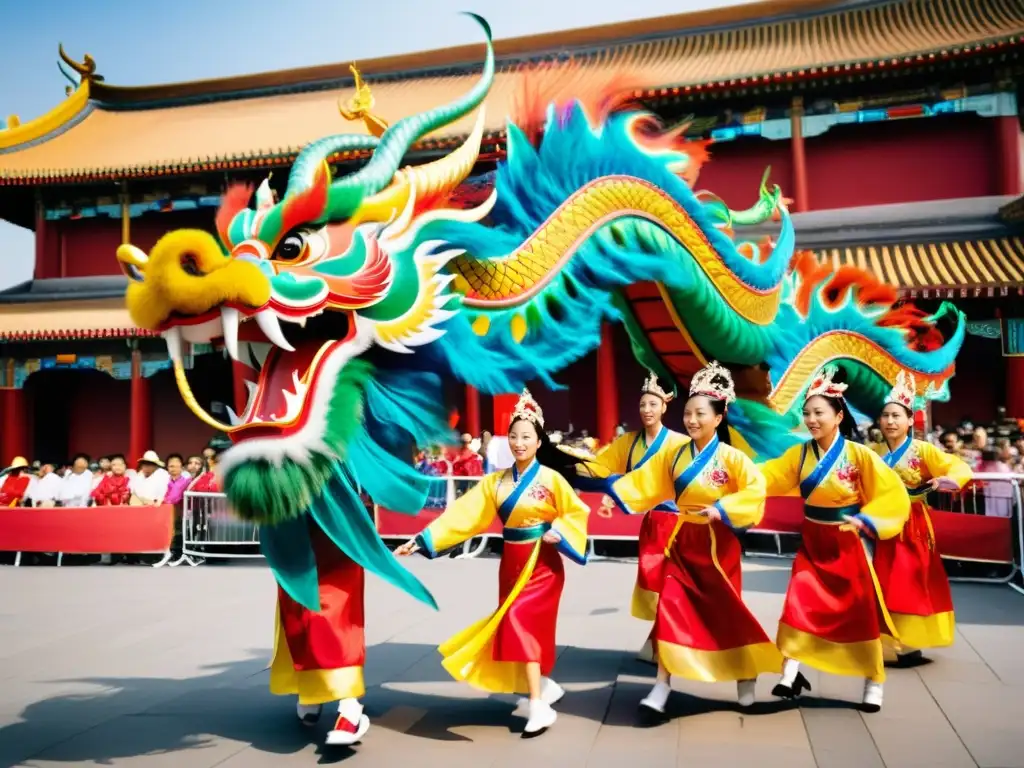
(704,383)
(905,391)
(652,387)
(823,385)
(528,409)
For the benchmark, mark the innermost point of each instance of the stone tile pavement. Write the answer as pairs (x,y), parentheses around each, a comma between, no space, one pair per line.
(133,666)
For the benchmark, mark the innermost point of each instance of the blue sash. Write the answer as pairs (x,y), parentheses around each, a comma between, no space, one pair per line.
(508,506)
(652,449)
(892,458)
(697,463)
(825,465)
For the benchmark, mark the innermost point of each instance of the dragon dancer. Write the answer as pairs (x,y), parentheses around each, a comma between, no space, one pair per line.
(834,613)
(513,649)
(909,567)
(702,629)
(624,454)
(352,290)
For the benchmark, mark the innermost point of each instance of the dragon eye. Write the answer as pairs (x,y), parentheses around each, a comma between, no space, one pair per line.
(291,248)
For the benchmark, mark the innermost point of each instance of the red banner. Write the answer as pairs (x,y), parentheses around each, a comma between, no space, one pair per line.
(959,536)
(86,530)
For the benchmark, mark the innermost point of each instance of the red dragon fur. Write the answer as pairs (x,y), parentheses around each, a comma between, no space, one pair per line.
(869,291)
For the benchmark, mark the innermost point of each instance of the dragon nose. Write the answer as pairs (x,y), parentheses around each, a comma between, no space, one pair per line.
(187,273)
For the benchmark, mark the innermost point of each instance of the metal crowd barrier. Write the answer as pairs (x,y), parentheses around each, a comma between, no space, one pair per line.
(210,531)
(989,494)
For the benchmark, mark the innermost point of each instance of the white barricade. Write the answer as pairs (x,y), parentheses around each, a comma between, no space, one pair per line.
(209,530)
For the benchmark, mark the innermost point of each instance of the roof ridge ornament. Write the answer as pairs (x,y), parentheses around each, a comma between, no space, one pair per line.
(360,105)
(86,69)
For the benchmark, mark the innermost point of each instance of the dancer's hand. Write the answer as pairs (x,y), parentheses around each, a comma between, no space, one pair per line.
(551,537)
(410,547)
(938,483)
(711,513)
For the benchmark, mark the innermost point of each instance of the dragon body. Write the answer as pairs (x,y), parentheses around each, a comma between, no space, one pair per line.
(351,298)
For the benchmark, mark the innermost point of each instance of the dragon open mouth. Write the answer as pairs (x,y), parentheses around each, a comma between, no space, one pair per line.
(287,365)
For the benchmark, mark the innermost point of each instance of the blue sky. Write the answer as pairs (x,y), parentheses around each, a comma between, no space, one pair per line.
(145,43)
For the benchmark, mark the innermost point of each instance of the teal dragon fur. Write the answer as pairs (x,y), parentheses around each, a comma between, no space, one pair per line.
(380,305)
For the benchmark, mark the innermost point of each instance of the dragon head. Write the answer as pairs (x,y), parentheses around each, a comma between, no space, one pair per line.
(297,287)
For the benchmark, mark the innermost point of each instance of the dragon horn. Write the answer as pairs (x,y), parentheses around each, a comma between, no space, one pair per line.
(308,163)
(347,193)
(429,180)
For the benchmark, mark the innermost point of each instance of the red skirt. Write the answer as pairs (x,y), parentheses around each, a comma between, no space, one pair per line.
(703,629)
(655,532)
(914,583)
(833,615)
(331,638)
(526,632)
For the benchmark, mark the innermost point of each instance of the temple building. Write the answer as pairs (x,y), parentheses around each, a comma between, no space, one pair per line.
(895,128)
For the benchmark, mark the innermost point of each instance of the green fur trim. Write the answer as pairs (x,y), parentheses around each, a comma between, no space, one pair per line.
(267,494)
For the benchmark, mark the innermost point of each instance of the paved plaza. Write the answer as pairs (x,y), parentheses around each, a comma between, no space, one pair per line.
(134,666)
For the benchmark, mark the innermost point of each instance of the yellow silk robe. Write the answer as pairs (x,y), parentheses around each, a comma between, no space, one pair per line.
(858,478)
(923,462)
(919,464)
(625,454)
(548,503)
(730,482)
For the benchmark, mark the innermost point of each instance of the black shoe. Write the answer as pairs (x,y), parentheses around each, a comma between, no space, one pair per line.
(800,684)
(911,659)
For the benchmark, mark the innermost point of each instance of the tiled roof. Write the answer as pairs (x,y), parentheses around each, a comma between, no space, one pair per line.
(117,141)
(106,319)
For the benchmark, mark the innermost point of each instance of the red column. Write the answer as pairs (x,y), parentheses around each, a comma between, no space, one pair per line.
(15,425)
(1015,387)
(607,388)
(503,407)
(240,373)
(140,432)
(800,196)
(1008,154)
(472,424)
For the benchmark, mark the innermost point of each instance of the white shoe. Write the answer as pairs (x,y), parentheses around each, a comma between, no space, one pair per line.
(745,692)
(550,693)
(351,724)
(657,698)
(308,714)
(872,701)
(542,717)
(646,653)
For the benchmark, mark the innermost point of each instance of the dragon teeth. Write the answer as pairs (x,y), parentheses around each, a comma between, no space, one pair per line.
(174,344)
(230,319)
(269,323)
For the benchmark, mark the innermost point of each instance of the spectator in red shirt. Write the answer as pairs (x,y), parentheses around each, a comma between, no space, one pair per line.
(466,461)
(113,489)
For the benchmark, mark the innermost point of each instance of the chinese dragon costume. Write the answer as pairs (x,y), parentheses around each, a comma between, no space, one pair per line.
(351,298)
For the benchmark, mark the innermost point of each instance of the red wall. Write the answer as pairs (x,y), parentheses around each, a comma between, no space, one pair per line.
(902,161)
(88,411)
(735,169)
(978,386)
(86,247)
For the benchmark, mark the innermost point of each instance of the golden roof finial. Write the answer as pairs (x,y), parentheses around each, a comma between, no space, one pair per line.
(86,69)
(359,106)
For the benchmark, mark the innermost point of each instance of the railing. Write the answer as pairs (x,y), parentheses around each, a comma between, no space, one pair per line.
(966,528)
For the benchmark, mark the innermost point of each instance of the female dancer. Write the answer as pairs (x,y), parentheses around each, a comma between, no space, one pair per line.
(513,649)
(909,568)
(834,613)
(702,629)
(629,452)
